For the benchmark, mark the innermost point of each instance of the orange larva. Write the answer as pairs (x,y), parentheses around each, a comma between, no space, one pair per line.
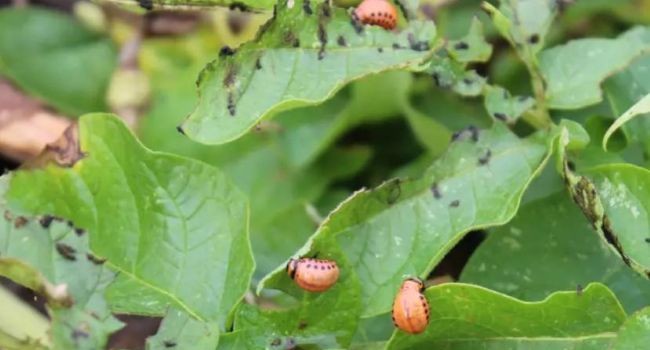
(313,275)
(410,308)
(377,12)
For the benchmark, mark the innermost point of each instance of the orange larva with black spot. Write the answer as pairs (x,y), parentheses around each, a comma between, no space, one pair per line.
(313,275)
(411,308)
(377,12)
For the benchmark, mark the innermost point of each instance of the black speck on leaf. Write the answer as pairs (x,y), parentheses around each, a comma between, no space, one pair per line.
(454,204)
(461,45)
(46,221)
(533,39)
(169,343)
(66,251)
(306,6)
(20,221)
(500,116)
(226,51)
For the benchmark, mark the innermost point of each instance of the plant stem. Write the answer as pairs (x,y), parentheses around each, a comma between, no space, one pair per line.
(538,117)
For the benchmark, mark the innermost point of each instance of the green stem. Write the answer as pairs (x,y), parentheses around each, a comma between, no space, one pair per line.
(539,117)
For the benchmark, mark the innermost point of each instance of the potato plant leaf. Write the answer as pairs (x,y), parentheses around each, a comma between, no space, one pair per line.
(472,47)
(574,71)
(448,73)
(405,227)
(502,106)
(320,320)
(551,230)
(52,258)
(175,229)
(625,89)
(43,50)
(640,108)
(464,316)
(524,23)
(614,197)
(306,53)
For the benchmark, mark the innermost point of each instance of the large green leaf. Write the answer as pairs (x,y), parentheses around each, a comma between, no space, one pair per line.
(52,258)
(573,72)
(614,197)
(175,229)
(635,332)
(53,57)
(305,54)
(551,230)
(281,167)
(470,317)
(405,227)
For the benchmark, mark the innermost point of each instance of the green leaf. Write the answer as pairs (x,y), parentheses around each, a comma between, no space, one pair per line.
(53,259)
(640,108)
(625,89)
(524,23)
(56,59)
(614,197)
(175,229)
(501,105)
(470,317)
(298,59)
(178,330)
(321,320)
(281,167)
(450,74)
(472,47)
(573,72)
(553,231)
(405,227)
(635,332)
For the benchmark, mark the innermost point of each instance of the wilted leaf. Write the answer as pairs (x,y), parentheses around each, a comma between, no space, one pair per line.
(573,71)
(304,55)
(553,231)
(405,227)
(614,197)
(175,229)
(470,317)
(51,56)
